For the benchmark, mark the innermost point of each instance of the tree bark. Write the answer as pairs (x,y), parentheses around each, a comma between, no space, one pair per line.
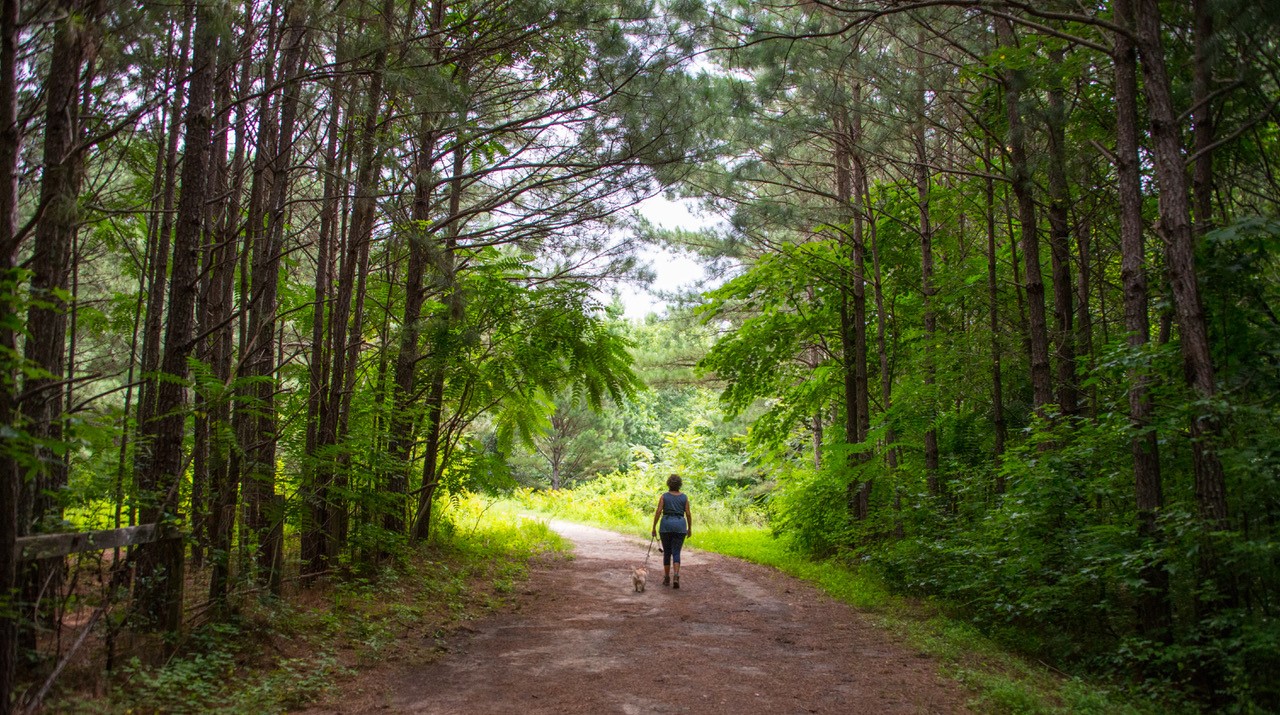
(1154,614)
(1060,244)
(858,292)
(160,565)
(214,307)
(886,378)
(44,351)
(817,428)
(403,417)
(848,352)
(1037,325)
(346,323)
(930,316)
(224,472)
(10,474)
(1175,224)
(448,271)
(160,229)
(266,515)
(1084,318)
(213,317)
(1001,430)
(315,547)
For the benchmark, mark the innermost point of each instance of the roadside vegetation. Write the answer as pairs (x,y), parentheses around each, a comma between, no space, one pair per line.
(273,655)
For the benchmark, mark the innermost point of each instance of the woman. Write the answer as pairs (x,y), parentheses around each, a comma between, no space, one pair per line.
(677,525)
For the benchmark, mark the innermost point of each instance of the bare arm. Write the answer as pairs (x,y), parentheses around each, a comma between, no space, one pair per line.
(657,514)
(688,517)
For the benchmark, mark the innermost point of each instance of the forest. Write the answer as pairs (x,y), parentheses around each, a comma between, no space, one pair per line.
(993,313)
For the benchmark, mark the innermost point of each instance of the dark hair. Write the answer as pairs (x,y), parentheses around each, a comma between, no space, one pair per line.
(674,482)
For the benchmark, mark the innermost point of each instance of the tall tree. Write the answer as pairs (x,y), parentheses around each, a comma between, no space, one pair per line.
(50,264)
(1015,82)
(1056,118)
(219,312)
(10,468)
(927,291)
(1148,490)
(1179,241)
(161,563)
(258,365)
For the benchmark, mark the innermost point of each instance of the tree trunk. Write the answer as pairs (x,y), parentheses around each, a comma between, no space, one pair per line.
(851,313)
(431,453)
(1084,318)
(255,470)
(886,378)
(362,225)
(214,314)
(447,268)
(1037,325)
(224,471)
(1019,288)
(10,475)
(160,228)
(1175,223)
(930,317)
(44,351)
(817,440)
(258,361)
(139,332)
(160,564)
(346,324)
(859,294)
(403,417)
(1154,615)
(315,547)
(213,317)
(993,321)
(1060,244)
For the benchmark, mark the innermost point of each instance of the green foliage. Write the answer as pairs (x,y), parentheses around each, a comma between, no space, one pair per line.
(210,679)
(1034,537)
(576,444)
(811,508)
(625,499)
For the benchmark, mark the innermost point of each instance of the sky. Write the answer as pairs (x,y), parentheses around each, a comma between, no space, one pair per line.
(673,271)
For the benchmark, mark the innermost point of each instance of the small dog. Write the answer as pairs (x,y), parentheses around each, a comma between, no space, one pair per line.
(638,577)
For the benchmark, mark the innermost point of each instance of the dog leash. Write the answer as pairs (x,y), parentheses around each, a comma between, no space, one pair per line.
(648,550)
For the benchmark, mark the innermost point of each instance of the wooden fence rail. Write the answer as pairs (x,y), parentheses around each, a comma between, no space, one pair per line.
(43,546)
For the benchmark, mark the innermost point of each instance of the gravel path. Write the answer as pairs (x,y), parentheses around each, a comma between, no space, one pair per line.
(736,638)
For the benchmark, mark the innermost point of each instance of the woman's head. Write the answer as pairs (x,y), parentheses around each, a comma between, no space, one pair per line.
(674,482)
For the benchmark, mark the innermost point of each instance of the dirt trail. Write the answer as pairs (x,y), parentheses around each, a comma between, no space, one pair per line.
(736,638)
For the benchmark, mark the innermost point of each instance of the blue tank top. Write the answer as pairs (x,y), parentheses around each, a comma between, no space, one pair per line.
(673,506)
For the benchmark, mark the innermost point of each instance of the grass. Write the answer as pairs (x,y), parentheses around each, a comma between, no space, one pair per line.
(999,680)
(277,655)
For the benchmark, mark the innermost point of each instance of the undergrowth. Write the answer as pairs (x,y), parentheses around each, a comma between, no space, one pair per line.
(276,655)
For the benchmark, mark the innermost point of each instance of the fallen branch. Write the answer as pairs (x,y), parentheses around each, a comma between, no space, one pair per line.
(34,703)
